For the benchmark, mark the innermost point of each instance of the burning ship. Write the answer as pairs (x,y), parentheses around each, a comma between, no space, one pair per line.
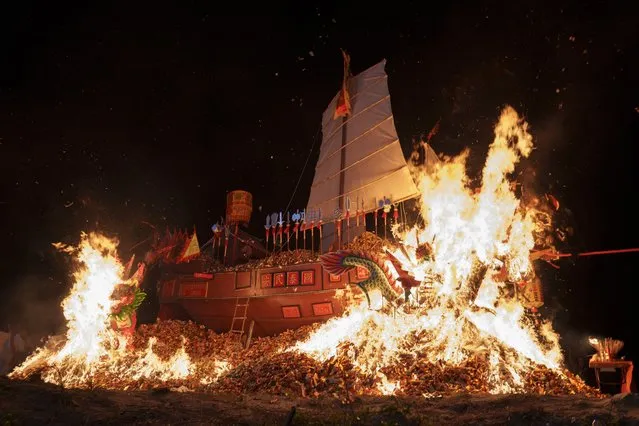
(456,286)
(361,172)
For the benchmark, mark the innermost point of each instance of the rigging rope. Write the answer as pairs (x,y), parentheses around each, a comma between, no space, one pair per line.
(596,253)
(298,184)
(549,255)
(303,169)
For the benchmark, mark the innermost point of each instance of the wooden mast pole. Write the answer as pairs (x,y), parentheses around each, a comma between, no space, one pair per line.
(236,241)
(342,183)
(342,201)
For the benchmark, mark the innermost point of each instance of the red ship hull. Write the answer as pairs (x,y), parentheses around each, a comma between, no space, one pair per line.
(279,298)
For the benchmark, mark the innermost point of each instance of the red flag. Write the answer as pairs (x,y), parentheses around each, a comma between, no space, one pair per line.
(343,107)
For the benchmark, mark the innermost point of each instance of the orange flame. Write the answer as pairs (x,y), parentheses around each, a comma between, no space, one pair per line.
(474,234)
(479,242)
(91,345)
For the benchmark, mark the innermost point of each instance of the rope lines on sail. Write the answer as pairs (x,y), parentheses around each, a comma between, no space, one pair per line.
(356,163)
(399,169)
(359,93)
(353,116)
(319,163)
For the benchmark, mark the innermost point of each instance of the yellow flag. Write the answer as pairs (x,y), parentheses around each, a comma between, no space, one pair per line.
(191,250)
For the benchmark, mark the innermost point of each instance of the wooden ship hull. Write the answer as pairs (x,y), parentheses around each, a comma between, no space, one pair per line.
(273,299)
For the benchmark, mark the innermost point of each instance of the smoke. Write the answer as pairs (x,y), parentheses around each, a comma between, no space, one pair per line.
(31,301)
(550,142)
(32,307)
(577,350)
(148,311)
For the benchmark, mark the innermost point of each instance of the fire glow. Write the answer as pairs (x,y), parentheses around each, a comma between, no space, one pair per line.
(479,240)
(474,234)
(91,346)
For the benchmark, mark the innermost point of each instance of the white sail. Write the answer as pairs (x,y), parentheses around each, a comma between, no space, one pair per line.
(373,166)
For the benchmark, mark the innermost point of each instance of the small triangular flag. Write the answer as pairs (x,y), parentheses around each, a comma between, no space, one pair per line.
(191,249)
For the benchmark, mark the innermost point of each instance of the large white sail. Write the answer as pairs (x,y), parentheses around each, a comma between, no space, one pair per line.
(361,161)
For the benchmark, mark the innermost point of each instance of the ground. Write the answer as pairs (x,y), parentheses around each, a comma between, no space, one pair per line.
(38,403)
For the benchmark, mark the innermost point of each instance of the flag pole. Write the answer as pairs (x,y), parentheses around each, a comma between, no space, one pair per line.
(235,241)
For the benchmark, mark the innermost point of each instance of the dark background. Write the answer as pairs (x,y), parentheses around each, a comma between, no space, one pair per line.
(116,114)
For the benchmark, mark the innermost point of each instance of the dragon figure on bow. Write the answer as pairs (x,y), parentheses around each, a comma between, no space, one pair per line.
(379,275)
(127,298)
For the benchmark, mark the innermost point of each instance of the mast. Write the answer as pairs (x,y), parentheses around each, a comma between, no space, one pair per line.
(342,166)
(343,108)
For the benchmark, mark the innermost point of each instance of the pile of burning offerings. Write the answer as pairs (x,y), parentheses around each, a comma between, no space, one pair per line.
(367,242)
(182,355)
(472,336)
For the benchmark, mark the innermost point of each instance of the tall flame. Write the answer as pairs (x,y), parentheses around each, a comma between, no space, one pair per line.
(88,305)
(474,233)
(91,347)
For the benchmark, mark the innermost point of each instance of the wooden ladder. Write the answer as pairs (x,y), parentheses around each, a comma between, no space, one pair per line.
(239,314)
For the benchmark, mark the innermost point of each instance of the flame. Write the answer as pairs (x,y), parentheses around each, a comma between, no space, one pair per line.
(470,255)
(91,347)
(474,233)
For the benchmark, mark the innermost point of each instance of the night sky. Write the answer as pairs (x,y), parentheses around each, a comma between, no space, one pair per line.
(117,114)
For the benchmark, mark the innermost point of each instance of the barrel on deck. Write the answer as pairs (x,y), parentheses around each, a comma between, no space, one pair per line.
(239,206)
